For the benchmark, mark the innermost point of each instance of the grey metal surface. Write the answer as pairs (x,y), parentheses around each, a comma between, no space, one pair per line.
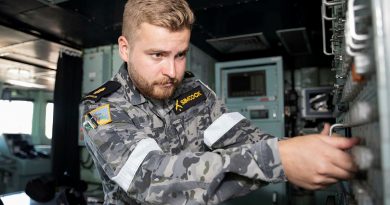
(27,61)
(381,19)
(362,92)
(24,47)
(10,37)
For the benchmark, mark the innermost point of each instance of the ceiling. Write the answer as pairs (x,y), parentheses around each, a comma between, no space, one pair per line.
(225,29)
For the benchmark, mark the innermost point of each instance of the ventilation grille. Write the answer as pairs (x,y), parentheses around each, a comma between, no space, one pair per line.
(241,43)
(295,41)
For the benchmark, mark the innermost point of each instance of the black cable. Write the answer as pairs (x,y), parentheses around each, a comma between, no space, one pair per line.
(88,163)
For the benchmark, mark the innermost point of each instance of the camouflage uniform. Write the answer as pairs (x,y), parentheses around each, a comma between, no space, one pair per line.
(155,153)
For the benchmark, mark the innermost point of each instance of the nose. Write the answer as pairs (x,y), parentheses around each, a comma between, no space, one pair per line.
(169,68)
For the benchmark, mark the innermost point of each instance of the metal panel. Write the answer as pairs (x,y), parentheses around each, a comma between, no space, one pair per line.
(16,171)
(270,105)
(116,60)
(381,19)
(362,93)
(201,65)
(97,68)
(10,36)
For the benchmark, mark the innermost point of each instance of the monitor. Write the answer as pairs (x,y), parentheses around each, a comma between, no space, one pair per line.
(247,84)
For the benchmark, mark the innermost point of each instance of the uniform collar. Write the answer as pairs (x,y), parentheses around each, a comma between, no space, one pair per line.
(132,94)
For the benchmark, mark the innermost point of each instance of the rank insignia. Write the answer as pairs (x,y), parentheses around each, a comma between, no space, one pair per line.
(189,99)
(104,90)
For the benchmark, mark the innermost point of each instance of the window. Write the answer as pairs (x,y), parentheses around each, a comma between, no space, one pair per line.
(49,120)
(16,116)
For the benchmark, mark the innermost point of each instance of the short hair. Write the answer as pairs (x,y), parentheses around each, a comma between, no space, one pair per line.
(174,15)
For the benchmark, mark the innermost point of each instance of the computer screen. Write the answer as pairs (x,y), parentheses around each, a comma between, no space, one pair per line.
(247,84)
(317,102)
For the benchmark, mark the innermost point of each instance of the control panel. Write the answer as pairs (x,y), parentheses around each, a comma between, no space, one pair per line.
(356,34)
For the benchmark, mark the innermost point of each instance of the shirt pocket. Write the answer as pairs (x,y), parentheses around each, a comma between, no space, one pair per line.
(193,126)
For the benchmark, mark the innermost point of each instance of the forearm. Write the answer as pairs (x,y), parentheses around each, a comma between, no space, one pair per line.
(209,177)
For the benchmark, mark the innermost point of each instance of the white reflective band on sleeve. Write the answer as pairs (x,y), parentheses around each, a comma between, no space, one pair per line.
(220,127)
(126,174)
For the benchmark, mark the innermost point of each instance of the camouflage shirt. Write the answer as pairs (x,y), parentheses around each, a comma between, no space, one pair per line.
(185,150)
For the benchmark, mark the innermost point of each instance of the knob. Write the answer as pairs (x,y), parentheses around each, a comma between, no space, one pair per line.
(363,157)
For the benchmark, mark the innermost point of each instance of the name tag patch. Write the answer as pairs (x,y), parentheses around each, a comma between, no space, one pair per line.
(189,99)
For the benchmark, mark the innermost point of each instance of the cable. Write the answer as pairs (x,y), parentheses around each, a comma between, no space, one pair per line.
(88,163)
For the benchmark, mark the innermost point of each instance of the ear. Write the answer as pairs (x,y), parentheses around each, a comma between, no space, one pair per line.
(124,48)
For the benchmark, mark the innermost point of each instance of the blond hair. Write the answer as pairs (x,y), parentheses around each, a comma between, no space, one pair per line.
(174,15)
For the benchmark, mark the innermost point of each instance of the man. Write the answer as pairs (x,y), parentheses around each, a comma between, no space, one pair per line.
(159,136)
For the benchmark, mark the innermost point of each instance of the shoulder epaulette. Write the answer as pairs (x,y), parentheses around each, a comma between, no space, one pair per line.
(104,90)
(188,74)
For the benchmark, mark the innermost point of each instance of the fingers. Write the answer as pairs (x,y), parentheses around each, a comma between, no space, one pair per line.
(325,160)
(339,173)
(330,175)
(326,181)
(341,142)
(345,161)
(335,163)
(336,135)
(321,184)
(326,129)
(320,181)
(339,158)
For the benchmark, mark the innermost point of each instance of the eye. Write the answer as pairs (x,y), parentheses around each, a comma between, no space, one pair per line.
(157,55)
(181,55)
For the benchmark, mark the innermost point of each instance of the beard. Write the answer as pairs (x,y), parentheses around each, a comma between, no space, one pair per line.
(158,89)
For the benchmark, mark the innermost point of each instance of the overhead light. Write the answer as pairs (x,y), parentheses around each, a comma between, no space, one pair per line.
(25,84)
(28,60)
(18,73)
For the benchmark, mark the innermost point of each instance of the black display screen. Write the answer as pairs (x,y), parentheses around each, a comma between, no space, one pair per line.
(247,84)
(259,114)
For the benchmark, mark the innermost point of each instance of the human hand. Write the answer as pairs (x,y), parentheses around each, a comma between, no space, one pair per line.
(316,161)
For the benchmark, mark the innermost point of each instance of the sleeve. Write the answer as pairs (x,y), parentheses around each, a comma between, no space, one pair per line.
(132,159)
(229,129)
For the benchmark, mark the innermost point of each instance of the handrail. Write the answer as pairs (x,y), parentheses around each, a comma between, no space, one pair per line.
(352,26)
(332,3)
(324,32)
